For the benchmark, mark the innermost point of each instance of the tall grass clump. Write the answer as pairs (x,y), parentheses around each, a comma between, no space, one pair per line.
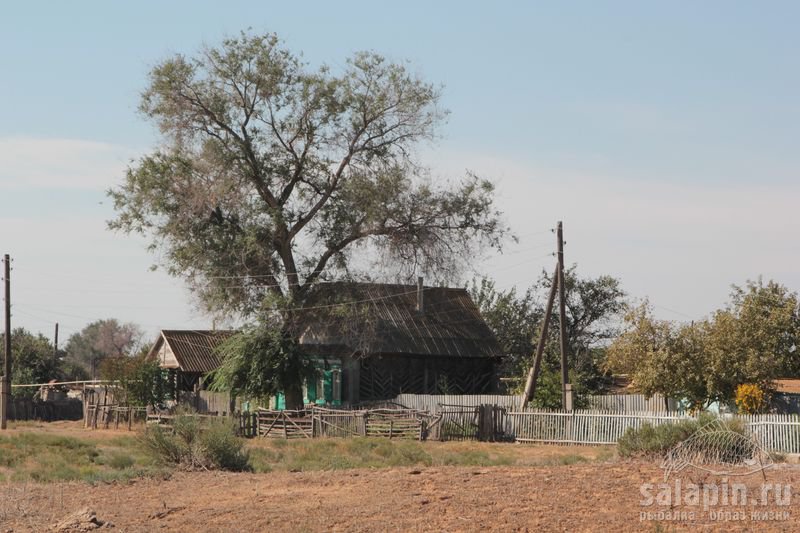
(193,444)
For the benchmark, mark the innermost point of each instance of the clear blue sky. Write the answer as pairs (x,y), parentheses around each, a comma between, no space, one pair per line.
(666,136)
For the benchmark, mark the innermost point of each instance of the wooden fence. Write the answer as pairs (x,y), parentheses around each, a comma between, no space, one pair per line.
(579,427)
(433,403)
(112,416)
(778,433)
(27,409)
(483,422)
(285,424)
(207,402)
(339,423)
(246,423)
(321,422)
(628,403)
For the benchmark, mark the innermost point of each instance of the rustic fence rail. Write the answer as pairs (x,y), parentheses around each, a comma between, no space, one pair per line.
(112,416)
(322,422)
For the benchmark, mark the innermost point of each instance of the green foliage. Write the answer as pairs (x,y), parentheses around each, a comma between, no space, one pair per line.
(753,340)
(87,349)
(32,361)
(46,457)
(512,317)
(192,443)
(592,307)
(661,357)
(261,361)
(142,382)
(654,441)
(275,173)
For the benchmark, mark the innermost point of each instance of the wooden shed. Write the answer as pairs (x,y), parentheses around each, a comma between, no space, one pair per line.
(188,355)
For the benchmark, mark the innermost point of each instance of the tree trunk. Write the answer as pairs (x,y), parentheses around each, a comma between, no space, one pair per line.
(294,397)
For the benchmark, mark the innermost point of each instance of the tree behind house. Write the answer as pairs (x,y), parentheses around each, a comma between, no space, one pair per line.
(86,350)
(593,306)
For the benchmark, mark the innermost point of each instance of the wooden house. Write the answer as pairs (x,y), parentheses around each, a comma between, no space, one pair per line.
(370,341)
(188,355)
(395,339)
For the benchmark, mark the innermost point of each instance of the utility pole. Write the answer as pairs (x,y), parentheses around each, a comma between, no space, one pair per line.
(5,383)
(533,373)
(55,348)
(562,317)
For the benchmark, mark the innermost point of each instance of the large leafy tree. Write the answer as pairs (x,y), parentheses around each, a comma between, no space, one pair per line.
(273,175)
(87,349)
(661,357)
(754,340)
(32,361)
(593,307)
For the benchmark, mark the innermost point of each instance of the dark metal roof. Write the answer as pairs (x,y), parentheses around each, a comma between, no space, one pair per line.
(195,350)
(373,318)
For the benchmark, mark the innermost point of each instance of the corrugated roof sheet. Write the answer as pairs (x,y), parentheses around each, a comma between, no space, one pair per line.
(787,386)
(195,349)
(384,320)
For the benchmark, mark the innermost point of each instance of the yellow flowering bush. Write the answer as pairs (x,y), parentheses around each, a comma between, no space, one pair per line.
(750,398)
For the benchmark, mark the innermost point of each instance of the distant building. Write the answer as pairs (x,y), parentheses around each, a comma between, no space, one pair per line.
(787,396)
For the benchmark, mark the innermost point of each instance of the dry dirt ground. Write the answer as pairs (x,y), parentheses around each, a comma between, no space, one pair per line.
(598,496)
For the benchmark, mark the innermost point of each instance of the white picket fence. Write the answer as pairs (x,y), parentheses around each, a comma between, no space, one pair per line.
(579,427)
(625,403)
(433,402)
(779,433)
(631,403)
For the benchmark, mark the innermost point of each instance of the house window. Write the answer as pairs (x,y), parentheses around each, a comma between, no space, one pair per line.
(337,386)
(322,395)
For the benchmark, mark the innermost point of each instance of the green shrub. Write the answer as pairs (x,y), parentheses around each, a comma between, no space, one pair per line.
(654,441)
(223,448)
(120,461)
(192,444)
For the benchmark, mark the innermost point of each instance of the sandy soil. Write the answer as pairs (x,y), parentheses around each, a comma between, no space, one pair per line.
(586,497)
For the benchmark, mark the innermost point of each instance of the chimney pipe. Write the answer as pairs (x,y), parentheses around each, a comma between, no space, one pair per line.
(420,297)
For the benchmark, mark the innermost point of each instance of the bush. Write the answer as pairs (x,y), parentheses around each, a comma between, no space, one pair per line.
(193,444)
(751,398)
(654,441)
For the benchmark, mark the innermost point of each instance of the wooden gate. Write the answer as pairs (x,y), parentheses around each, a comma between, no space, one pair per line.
(484,422)
(285,424)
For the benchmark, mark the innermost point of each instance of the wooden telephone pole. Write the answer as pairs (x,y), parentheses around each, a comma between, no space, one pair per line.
(55,348)
(566,403)
(5,383)
(558,283)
